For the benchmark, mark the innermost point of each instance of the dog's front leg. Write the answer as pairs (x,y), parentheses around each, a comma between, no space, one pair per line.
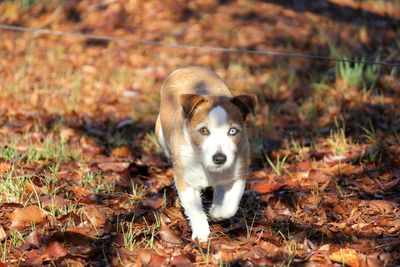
(191,202)
(226,199)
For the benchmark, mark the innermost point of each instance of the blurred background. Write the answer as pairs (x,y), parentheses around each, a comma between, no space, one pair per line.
(79,95)
(95,79)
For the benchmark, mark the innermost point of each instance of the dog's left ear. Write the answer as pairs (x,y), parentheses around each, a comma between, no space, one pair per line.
(189,102)
(246,104)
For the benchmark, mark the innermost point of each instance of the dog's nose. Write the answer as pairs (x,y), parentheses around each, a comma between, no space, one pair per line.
(219,158)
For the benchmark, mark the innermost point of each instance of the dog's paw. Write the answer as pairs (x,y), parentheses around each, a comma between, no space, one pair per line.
(200,232)
(221,212)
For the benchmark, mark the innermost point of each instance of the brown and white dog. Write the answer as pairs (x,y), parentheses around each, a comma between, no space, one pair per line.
(201,128)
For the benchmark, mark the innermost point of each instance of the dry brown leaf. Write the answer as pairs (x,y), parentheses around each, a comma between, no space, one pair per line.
(55,250)
(4,167)
(35,257)
(265,186)
(26,217)
(150,258)
(122,152)
(346,256)
(49,201)
(155,201)
(95,215)
(114,166)
(180,260)
(32,188)
(33,239)
(3,234)
(82,230)
(167,235)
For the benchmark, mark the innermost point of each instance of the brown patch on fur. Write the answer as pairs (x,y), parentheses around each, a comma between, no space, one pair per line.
(189,102)
(246,104)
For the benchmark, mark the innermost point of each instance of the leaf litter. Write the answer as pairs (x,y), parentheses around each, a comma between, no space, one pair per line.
(83,181)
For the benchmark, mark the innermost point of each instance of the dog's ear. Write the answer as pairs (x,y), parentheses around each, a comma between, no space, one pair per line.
(246,104)
(189,102)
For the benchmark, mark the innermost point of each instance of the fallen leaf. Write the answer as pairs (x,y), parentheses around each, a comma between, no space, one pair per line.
(154,201)
(122,152)
(180,260)
(34,257)
(32,188)
(3,234)
(114,166)
(95,215)
(167,235)
(55,250)
(50,201)
(4,167)
(26,217)
(265,186)
(150,258)
(346,256)
(33,239)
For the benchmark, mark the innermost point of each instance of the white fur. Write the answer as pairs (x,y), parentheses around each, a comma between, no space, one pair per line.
(191,202)
(162,142)
(218,141)
(196,172)
(199,171)
(226,199)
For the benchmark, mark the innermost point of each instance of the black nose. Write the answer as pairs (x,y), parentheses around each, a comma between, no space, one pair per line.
(219,158)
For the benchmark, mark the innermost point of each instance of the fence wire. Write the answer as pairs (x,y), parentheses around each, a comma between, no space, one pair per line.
(44,31)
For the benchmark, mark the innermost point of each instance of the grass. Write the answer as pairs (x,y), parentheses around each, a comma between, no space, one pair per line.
(17,239)
(138,192)
(358,74)
(279,166)
(369,132)
(337,139)
(12,188)
(3,251)
(351,74)
(58,211)
(130,234)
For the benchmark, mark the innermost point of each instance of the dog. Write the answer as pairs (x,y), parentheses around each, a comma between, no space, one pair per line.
(201,128)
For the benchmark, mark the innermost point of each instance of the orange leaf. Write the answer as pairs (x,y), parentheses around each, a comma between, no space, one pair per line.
(3,234)
(25,217)
(55,250)
(122,152)
(4,167)
(167,234)
(114,166)
(346,256)
(266,186)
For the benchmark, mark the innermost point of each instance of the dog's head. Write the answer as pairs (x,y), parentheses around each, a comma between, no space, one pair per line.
(216,127)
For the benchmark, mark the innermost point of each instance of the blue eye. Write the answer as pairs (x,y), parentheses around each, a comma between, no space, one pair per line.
(233,131)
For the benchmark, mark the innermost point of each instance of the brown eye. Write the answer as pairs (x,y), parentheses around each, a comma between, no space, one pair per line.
(204,131)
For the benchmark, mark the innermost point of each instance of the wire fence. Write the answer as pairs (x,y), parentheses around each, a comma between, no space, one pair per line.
(44,31)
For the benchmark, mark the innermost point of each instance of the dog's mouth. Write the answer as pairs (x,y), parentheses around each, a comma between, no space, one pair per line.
(217,167)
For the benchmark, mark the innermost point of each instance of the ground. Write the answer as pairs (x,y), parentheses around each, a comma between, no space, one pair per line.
(83,181)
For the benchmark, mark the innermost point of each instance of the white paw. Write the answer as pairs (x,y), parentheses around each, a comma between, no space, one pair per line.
(221,212)
(201,231)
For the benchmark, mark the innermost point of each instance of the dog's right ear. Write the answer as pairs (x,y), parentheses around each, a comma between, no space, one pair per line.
(189,102)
